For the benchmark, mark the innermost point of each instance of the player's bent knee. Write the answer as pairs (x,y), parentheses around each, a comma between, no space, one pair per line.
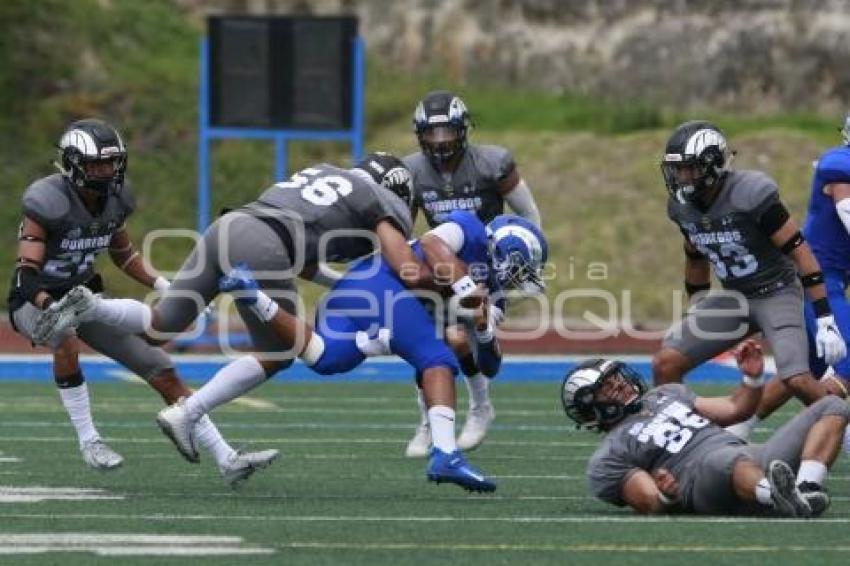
(832,405)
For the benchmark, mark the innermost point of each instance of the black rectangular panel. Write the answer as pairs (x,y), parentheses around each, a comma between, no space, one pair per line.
(281,72)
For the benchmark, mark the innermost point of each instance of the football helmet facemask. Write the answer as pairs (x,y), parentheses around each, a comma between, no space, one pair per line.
(389,171)
(441,122)
(92,155)
(518,252)
(598,394)
(695,160)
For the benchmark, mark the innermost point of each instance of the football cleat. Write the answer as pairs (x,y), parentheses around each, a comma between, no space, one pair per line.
(241,281)
(175,424)
(242,465)
(420,445)
(476,426)
(453,468)
(99,456)
(787,499)
(816,496)
(63,314)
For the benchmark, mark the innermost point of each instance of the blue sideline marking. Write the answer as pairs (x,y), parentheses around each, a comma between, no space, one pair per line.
(198,369)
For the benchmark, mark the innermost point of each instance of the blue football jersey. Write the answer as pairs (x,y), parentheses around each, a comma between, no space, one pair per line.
(823,229)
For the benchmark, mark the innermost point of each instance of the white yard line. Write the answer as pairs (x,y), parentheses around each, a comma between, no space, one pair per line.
(113,544)
(302,440)
(678,519)
(649,549)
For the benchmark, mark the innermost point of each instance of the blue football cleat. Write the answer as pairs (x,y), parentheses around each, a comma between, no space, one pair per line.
(240,280)
(453,468)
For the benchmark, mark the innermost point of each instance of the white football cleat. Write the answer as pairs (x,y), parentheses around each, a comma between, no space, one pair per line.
(420,445)
(242,465)
(63,314)
(100,457)
(476,426)
(176,425)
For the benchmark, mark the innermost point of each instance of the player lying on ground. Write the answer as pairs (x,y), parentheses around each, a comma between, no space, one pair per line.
(451,173)
(735,223)
(371,305)
(665,451)
(68,220)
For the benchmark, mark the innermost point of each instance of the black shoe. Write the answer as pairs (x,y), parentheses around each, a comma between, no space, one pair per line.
(816,496)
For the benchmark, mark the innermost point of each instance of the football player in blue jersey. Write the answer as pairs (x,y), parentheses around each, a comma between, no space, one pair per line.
(476,263)
(827,229)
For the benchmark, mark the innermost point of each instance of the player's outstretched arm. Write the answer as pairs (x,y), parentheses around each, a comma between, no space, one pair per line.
(742,403)
(828,340)
(31,251)
(400,257)
(124,255)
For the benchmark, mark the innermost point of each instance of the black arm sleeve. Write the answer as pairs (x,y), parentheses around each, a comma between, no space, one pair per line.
(774,218)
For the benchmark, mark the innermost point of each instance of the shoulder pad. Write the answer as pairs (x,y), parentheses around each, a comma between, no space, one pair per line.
(753,188)
(46,201)
(493,160)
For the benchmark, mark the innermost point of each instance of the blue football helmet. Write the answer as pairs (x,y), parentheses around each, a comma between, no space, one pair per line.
(518,251)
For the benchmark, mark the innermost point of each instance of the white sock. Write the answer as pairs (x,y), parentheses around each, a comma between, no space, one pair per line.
(378,346)
(313,351)
(764,493)
(479,390)
(423,408)
(744,429)
(210,439)
(811,470)
(265,307)
(128,314)
(235,379)
(442,420)
(76,402)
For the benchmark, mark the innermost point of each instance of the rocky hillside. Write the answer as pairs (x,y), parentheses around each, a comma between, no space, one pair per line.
(763,55)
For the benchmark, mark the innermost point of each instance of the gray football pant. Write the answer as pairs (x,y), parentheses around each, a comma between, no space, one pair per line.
(234,239)
(712,490)
(718,322)
(130,350)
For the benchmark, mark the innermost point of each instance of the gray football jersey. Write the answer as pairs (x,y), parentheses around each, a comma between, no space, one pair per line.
(667,433)
(74,236)
(742,255)
(474,186)
(333,208)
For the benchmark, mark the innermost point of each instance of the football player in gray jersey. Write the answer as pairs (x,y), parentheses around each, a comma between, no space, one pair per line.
(321,214)
(665,451)
(735,223)
(451,174)
(68,220)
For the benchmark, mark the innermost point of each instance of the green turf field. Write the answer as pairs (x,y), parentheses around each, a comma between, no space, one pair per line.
(343,493)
